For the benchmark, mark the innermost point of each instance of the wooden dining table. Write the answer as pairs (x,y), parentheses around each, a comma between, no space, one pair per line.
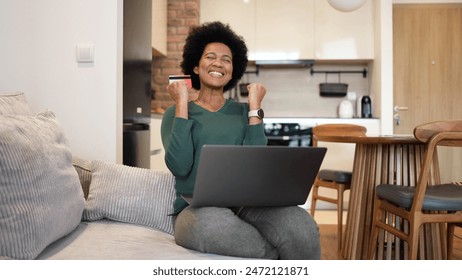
(383,159)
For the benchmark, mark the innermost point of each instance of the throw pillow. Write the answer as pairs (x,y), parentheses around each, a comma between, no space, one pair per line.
(130,194)
(14,104)
(41,199)
(83,168)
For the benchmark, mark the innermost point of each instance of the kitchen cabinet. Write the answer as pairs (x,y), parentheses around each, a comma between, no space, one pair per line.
(340,35)
(272,29)
(239,14)
(299,29)
(159,28)
(284,30)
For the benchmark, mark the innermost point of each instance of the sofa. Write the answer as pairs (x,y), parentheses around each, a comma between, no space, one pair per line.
(55,205)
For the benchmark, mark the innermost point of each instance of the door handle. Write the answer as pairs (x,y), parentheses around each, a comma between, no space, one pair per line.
(396,116)
(399,108)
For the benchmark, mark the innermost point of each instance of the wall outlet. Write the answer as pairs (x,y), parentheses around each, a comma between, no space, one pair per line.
(351,95)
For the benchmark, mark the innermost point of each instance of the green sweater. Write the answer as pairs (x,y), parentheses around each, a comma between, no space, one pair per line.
(183,140)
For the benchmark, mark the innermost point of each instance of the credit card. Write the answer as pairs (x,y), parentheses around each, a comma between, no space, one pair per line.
(177,78)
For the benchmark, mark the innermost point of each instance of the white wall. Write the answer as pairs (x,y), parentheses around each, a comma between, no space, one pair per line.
(38,57)
(383,65)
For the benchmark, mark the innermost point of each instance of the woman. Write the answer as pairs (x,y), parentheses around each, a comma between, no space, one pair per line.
(216,58)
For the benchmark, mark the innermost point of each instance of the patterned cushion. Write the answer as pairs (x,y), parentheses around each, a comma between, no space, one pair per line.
(14,104)
(41,199)
(131,194)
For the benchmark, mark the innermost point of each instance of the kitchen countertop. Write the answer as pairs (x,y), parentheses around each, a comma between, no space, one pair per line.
(156,116)
(372,124)
(315,120)
(308,121)
(311,121)
(286,119)
(318,118)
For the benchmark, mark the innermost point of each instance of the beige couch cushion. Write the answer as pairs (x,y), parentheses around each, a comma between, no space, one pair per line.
(41,199)
(109,240)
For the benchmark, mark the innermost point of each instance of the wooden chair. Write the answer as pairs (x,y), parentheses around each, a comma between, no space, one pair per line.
(334,179)
(450,233)
(450,236)
(424,203)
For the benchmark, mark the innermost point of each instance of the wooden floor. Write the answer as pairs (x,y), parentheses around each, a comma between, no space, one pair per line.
(329,242)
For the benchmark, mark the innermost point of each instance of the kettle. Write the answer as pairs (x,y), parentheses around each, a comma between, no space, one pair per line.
(345,109)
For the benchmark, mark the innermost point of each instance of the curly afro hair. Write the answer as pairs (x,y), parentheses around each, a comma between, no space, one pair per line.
(213,32)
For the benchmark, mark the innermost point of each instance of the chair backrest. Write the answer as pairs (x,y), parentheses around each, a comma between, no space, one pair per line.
(337,130)
(434,134)
(448,132)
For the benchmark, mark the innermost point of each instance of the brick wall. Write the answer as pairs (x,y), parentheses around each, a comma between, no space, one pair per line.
(181,14)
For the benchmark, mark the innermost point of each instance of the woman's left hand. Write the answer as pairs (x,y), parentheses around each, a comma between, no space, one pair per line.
(256,94)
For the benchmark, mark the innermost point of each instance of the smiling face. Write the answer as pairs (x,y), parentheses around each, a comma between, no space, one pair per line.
(215,67)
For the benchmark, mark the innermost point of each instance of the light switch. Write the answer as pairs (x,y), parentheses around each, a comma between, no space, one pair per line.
(85,53)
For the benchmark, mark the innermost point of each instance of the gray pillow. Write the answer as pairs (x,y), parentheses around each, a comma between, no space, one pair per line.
(83,168)
(14,104)
(130,194)
(41,199)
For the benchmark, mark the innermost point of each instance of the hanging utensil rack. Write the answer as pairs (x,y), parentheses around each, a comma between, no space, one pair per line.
(363,72)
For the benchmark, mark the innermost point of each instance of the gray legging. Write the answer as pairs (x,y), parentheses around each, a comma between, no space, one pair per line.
(250,232)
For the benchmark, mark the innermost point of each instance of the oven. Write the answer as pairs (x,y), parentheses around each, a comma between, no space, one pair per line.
(288,134)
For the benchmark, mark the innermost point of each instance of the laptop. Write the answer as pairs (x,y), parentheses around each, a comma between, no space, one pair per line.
(234,176)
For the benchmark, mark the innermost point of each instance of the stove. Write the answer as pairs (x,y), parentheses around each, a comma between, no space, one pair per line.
(288,134)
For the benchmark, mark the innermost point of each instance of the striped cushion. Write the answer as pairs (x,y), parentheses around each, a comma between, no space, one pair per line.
(83,168)
(14,104)
(130,194)
(41,199)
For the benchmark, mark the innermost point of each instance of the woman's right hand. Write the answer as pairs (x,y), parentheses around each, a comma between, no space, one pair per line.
(178,91)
